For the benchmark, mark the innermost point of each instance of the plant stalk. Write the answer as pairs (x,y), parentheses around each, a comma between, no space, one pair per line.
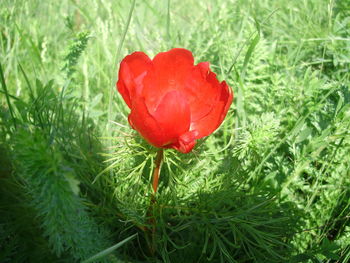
(150,212)
(156,171)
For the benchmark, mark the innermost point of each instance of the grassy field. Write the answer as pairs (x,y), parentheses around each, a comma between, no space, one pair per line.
(272,184)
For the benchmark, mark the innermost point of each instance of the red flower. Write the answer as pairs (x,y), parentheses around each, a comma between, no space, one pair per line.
(173,102)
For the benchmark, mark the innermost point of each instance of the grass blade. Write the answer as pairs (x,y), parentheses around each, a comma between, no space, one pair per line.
(109,250)
(110,99)
(3,84)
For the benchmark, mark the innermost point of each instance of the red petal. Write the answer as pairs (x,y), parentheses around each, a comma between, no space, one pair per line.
(228,102)
(173,116)
(202,91)
(170,120)
(142,121)
(204,68)
(214,118)
(186,142)
(170,72)
(133,69)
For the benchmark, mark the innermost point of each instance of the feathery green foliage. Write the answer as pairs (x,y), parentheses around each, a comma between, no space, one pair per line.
(45,175)
(75,50)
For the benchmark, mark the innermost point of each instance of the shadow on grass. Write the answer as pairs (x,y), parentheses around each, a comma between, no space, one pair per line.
(227,223)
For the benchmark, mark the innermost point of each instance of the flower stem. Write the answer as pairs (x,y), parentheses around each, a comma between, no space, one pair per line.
(151,208)
(156,171)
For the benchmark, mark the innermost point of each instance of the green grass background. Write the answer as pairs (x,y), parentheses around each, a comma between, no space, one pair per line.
(272,184)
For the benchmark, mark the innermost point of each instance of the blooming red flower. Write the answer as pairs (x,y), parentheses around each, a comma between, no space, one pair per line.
(173,102)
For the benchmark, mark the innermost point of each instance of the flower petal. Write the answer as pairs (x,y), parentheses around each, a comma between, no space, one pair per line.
(141,120)
(201,90)
(170,72)
(170,120)
(173,116)
(186,142)
(133,69)
(214,118)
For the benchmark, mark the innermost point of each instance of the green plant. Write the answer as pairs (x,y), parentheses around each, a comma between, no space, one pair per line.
(271,185)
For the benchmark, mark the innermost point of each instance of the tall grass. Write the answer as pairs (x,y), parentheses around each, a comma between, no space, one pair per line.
(270,185)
